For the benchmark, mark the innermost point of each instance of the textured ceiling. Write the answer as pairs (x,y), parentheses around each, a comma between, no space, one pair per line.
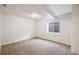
(25,9)
(60,9)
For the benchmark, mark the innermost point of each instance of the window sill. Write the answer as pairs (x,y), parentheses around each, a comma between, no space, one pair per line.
(53,33)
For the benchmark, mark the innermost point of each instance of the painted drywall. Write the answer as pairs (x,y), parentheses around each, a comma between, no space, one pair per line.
(60,9)
(0,30)
(65,27)
(75,29)
(16,28)
(26,10)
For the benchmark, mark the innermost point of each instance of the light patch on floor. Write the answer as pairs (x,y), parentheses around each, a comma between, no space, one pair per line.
(36,47)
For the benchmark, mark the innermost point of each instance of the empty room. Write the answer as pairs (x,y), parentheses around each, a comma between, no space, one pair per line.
(39,29)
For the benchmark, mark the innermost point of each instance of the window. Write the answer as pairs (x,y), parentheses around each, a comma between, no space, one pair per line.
(54,27)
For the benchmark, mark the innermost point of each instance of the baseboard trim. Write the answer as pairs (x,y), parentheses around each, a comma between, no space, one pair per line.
(52,41)
(15,41)
(36,37)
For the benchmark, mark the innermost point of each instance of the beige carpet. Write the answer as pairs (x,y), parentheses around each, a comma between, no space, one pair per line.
(36,47)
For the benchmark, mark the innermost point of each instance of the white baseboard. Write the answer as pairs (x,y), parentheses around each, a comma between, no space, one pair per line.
(45,38)
(17,40)
(29,37)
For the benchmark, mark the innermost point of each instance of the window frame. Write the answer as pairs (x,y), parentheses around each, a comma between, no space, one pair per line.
(53,27)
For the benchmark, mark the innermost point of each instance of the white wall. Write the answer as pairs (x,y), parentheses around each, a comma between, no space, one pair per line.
(0,29)
(75,29)
(65,28)
(15,28)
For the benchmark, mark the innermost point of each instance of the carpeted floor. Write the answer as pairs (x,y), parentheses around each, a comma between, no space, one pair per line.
(36,47)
